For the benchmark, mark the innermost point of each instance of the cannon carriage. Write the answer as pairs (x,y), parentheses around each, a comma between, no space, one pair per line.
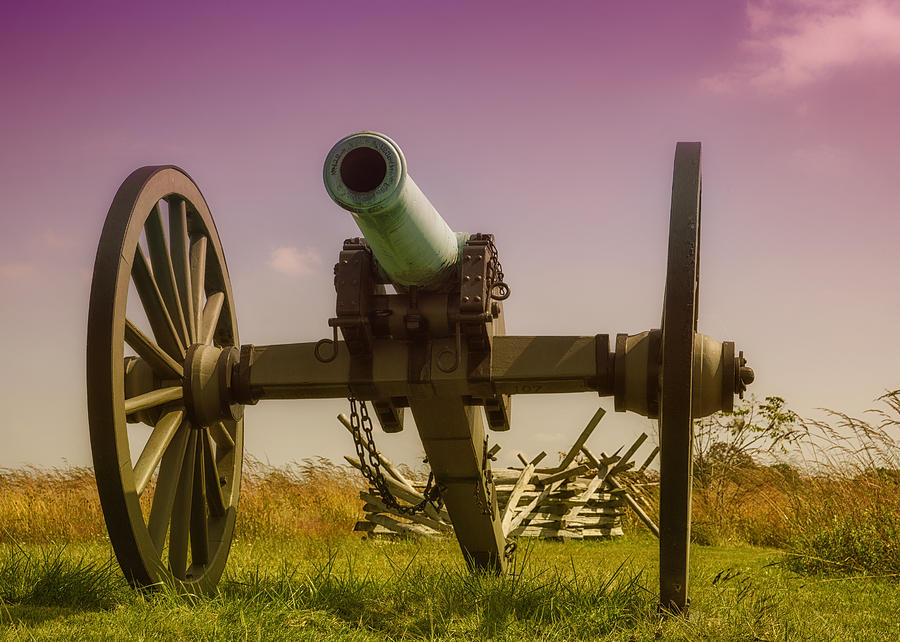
(419,324)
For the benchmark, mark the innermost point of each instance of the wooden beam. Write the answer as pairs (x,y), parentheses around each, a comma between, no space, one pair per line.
(388,466)
(582,438)
(583,498)
(629,454)
(399,527)
(537,501)
(374,504)
(514,496)
(649,460)
(568,473)
(612,482)
(402,492)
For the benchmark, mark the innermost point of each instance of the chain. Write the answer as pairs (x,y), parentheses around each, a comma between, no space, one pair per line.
(487,479)
(495,274)
(370,464)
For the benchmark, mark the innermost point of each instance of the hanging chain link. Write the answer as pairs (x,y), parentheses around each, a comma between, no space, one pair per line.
(370,464)
(487,480)
(499,289)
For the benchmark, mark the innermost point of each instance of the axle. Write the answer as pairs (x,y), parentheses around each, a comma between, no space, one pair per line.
(517,365)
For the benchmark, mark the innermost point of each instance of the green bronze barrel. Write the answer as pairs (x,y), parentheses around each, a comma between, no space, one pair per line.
(365,173)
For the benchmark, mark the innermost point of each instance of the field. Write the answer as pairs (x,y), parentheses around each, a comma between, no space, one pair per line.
(781,551)
(343,588)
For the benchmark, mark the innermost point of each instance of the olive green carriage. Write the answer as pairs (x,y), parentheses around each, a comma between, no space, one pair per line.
(420,314)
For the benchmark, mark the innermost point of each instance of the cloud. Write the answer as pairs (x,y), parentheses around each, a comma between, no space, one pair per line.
(795,43)
(293,262)
(16,271)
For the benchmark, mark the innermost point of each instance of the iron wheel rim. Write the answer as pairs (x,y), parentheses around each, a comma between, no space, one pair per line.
(679,326)
(187,451)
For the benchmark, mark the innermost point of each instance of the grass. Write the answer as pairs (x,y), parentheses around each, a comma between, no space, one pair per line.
(782,552)
(829,495)
(313,497)
(344,588)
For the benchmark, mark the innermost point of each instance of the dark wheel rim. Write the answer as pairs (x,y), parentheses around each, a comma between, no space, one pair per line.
(169,489)
(676,421)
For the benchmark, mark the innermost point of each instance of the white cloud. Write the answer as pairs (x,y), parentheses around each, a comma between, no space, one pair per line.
(799,42)
(294,262)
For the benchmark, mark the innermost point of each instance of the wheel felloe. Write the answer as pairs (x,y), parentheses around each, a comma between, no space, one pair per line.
(169,488)
(677,349)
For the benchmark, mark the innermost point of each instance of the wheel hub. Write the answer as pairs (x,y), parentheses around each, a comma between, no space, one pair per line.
(207,385)
(718,375)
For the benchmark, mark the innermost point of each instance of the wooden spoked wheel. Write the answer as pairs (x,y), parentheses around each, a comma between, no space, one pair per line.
(679,326)
(167,461)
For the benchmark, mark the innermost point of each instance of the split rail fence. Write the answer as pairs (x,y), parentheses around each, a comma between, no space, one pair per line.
(583,497)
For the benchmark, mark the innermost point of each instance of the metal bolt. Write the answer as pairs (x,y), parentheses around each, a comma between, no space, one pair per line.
(467,278)
(744,375)
(478,277)
(478,298)
(465,298)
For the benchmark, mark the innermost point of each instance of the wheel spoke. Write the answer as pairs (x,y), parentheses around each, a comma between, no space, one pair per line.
(158,258)
(210,319)
(214,481)
(155,448)
(164,272)
(198,276)
(166,487)
(164,365)
(153,398)
(224,440)
(199,524)
(181,261)
(151,299)
(181,511)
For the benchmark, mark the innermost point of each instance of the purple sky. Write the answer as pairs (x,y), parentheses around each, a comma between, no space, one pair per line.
(553,128)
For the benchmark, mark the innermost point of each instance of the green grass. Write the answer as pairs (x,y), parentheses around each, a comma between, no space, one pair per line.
(348,589)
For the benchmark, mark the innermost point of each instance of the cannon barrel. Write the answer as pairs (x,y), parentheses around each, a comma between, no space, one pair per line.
(365,173)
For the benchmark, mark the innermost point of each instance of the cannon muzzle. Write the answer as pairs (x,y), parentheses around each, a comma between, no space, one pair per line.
(365,173)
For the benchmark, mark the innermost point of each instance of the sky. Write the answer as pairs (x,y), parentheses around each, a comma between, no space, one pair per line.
(551,125)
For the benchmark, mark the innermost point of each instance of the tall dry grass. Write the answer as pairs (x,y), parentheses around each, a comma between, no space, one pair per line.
(312,497)
(846,513)
(827,491)
(44,506)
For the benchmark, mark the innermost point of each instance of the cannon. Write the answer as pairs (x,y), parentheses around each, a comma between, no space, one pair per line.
(419,324)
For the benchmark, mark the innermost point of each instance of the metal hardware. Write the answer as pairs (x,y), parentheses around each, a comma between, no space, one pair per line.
(370,465)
